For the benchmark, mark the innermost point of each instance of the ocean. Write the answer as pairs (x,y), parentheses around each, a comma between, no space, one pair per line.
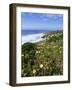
(30,32)
(33,35)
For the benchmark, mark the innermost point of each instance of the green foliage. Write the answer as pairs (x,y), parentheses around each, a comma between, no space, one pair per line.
(43,58)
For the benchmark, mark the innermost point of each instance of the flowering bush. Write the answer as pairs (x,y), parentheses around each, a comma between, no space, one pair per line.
(43,58)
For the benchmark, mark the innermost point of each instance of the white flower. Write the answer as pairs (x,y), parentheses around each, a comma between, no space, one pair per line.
(37,51)
(41,65)
(34,71)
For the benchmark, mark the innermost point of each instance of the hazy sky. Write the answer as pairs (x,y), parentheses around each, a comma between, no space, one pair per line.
(36,21)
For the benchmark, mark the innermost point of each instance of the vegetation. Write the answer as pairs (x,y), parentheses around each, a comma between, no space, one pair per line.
(44,58)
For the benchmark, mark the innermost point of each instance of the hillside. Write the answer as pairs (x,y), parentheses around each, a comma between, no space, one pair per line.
(44,58)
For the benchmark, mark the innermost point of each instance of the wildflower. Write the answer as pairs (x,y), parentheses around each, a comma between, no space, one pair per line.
(37,51)
(34,71)
(60,47)
(41,65)
(51,35)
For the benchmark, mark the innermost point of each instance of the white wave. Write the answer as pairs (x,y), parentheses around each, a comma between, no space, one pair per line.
(32,38)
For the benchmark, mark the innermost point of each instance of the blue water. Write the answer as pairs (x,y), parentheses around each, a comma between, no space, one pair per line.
(29,32)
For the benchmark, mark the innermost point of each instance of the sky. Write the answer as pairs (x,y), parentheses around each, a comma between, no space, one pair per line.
(37,23)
